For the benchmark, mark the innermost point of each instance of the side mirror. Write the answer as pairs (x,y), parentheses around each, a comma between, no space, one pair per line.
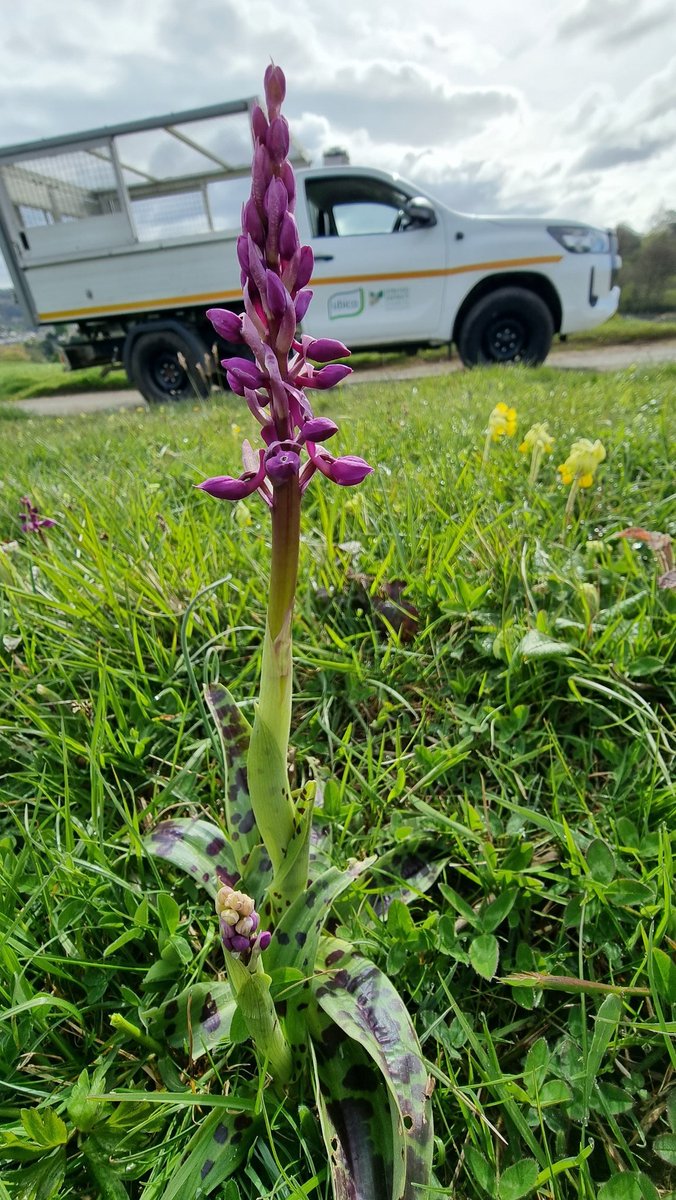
(419,212)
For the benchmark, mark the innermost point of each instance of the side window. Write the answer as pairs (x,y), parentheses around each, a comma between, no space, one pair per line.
(353,205)
(365,216)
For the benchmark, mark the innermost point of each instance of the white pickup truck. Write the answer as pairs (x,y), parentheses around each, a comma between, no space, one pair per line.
(125,235)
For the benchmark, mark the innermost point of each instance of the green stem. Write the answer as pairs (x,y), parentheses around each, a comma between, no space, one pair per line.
(535,461)
(570,503)
(251,988)
(268,752)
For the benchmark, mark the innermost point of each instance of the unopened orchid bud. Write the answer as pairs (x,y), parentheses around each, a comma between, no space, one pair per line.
(289,241)
(275,90)
(287,328)
(252,223)
(261,174)
(305,267)
(276,294)
(289,180)
(243,243)
(275,207)
(277,140)
(228,325)
(302,303)
(259,123)
(245,372)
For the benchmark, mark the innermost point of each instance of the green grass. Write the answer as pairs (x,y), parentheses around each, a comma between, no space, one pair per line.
(522,738)
(24,380)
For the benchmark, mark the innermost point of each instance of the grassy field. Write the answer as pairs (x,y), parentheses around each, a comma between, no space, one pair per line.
(21,380)
(515,734)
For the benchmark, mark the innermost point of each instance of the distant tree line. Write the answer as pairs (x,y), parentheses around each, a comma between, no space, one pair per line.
(648,274)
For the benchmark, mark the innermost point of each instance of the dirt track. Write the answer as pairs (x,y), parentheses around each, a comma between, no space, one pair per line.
(598,358)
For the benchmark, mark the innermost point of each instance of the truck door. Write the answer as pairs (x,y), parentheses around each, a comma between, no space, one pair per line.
(379,269)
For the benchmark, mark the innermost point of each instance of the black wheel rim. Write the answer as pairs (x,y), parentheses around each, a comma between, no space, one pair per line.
(168,375)
(506,338)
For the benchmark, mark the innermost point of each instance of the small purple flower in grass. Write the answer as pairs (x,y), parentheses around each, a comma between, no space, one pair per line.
(276,270)
(240,923)
(31,521)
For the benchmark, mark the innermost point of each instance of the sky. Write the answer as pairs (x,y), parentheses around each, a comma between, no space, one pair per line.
(557,107)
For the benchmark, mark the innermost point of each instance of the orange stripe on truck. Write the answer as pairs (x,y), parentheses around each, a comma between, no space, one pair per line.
(177,301)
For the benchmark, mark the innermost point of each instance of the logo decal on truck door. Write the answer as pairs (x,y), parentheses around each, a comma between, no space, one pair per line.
(346,304)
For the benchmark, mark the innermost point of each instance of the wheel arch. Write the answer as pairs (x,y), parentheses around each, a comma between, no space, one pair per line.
(529,281)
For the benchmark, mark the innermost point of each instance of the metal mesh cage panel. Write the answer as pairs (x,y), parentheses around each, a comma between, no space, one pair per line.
(62,187)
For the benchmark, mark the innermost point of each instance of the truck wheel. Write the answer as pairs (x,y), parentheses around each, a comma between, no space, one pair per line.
(155,368)
(510,325)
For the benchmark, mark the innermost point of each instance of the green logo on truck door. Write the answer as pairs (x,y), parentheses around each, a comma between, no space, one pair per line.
(346,304)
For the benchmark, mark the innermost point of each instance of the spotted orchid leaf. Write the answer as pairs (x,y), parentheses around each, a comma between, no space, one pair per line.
(298,932)
(234,731)
(291,876)
(364,1004)
(417,869)
(215,1152)
(197,847)
(354,1116)
(198,1020)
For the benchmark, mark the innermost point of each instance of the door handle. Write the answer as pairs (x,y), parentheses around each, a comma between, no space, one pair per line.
(323,258)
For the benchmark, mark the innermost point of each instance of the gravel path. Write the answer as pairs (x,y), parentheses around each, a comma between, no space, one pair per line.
(598,358)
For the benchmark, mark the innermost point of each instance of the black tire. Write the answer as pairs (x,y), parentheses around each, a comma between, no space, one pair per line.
(155,369)
(510,325)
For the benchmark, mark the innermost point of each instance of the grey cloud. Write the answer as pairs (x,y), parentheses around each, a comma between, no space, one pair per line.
(404,104)
(613,23)
(617,21)
(603,157)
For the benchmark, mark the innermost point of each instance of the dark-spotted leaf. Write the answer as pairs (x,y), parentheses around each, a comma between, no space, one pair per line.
(518,1180)
(417,869)
(214,1153)
(197,1020)
(354,1115)
(296,937)
(197,847)
(291,875)
(365,1005)
(484,953)
(234,731)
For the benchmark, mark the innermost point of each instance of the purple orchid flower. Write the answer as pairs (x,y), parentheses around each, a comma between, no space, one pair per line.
(31,521)
(276,270)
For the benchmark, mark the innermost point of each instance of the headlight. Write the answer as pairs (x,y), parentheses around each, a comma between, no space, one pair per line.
(581,239)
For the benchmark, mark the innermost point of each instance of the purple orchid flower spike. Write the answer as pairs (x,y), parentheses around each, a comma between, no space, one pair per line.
(31,521)
(276,270)
(274,368)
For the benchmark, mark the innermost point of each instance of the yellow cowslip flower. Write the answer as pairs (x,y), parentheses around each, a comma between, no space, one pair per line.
(582,463)
(502,422)
(540,442)
(538,438)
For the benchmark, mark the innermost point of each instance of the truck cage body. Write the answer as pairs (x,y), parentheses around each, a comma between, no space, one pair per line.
(102,226)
